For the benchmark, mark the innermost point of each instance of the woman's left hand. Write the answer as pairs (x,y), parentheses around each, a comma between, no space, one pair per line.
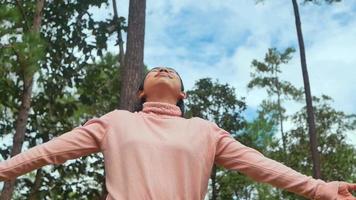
(344,191)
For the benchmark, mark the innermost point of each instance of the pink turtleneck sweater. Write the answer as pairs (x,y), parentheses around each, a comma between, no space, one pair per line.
(156,154)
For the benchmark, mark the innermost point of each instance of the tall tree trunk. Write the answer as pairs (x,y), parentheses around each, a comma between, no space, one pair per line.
(308,97)
(214,193)
(104,191)
(132,62)
(120,42)
(280,114)
(132,71)
(39,174)
(36,186)
(22,118)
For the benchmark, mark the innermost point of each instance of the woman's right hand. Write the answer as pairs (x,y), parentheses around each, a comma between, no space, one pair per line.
(344,192)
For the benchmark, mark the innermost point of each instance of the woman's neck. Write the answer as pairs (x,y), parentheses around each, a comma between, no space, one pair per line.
(162,99)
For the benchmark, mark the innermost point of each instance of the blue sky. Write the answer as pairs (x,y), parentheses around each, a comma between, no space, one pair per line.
(219,39)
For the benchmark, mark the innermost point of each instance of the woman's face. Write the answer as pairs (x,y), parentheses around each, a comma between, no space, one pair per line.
(162,80)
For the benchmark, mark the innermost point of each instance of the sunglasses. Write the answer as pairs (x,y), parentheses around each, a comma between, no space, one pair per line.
(170,70)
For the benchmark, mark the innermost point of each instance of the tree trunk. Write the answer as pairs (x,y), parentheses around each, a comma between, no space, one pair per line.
(308,97)
(39,175)
(120,42)
(104,191)
(280,114)
(22,118)
(36,186)
(214,194)
(131,63)
(132,71)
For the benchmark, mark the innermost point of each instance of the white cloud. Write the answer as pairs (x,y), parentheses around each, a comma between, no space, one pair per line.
(219,39)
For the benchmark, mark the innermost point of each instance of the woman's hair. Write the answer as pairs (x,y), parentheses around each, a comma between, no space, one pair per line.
(139,104)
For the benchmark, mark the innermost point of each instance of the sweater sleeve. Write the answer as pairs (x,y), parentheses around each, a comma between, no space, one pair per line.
(80,141)
(233,155)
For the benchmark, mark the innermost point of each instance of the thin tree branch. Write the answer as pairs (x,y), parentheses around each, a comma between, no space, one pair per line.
(19,5)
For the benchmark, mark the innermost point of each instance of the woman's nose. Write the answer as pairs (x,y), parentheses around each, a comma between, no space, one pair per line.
(163,69)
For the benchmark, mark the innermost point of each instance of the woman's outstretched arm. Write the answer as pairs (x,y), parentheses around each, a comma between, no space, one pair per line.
(233,155)
(78,142)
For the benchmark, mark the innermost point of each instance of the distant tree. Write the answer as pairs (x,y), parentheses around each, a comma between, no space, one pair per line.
(119,26)
(96,94)
(73,40)
(260,135)
(332,127)
(265,75)
(308,96)
(28,53)
(337,156)
(218,103)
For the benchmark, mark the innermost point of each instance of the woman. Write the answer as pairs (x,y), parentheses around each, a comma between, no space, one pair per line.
(155,153)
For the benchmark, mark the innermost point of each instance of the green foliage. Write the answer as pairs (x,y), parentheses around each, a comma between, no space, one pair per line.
(69,86)
(9,91)
(24,48)
(218,103)
(337,157)
(29,53)
(332,125)
(260,135)
(266,73)
(21,53)
(96,93)
(8,13)
(99,90)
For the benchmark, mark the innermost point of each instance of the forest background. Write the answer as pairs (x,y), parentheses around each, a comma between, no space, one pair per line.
(239,62)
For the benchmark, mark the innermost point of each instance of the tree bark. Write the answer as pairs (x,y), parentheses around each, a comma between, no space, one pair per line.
(120,42)
(104,191)
(22,118)
(214,193)
(280,114)
(131,63)
(36,186)
(132,71)
(308,96)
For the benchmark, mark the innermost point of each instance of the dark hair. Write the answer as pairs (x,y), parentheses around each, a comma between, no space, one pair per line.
(139,104)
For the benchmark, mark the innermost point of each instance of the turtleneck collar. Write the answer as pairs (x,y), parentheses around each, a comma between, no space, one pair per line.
(161,108)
